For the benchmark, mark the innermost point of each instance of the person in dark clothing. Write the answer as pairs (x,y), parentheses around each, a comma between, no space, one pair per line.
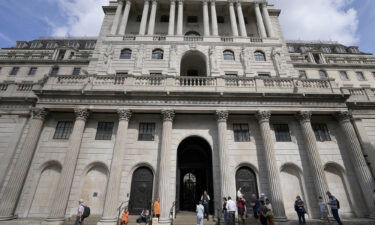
(335,206)
(225,211)
(299,207)
(254,202)
(206,201)
(262,212)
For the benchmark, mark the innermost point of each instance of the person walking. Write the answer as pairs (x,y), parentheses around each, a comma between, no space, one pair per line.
(269,214)
(200,213)
(225,211)
(231,207)
(241,208)
(334,204)
(125,217)
(323,210)
(157,208)
(299,207)
(254,202)
(262,213)
(206,203)
(80,211)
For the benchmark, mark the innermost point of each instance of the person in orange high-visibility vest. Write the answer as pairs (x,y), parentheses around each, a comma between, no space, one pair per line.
(157,208)
(125,217)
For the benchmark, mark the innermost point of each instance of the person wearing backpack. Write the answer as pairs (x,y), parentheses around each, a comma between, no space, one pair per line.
(299,207)
(80,212)
(334,204)
(206,201)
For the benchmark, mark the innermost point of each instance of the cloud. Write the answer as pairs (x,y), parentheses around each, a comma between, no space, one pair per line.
(332,20)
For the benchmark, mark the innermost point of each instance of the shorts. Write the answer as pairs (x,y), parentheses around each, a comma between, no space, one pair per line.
(241,212)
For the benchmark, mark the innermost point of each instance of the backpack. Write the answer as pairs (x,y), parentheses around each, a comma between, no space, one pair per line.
(86,211)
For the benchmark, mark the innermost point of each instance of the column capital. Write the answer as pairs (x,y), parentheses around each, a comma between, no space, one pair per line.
(304,116)
(180,1)
(39,113)
(343,116)
(124,114)
(221,115)
(128,2)
(263,116)
(81,113)
(172,1)
(205,2)
(168,114)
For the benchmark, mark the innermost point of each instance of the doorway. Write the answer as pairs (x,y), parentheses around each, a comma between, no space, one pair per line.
(246,178)
(141,190)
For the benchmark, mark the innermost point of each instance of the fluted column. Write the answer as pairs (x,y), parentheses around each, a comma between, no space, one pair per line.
(70,161)
(125,17)
(180,17)
(260,22)
(366,181)
(233,21)
(267,21)
(13,189)
(114,182)
(241,20)
(116,20)
(142,27)
(215,30)
(151,24)
(206,20)
(271,165)
(164,182)
(172,12)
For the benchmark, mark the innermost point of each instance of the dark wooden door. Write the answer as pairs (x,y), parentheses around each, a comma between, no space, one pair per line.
(246,178)
(141,190)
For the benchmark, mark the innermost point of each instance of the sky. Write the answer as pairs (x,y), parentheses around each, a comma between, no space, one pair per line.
(350,22)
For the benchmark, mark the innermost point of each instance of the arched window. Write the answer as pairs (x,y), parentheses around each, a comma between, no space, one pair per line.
(323,74)
(157,54)
(259,56)
(228,55)
(126,54)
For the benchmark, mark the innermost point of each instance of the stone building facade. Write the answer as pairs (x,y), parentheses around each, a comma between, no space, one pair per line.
(177,97)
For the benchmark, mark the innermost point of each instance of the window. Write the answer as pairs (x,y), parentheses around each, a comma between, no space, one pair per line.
(63,130)
(323,74)
(52,45)
(340,49)
(282,133)
(90,45)
(55,70)
(155,74)
(36,45)
(146,132)
(344,75)
(121,73)
(321,132)
(164,19)
(61,55)
(265,75)
(291,48)
(220,19)
(139,18)
(157,54)
(192,19)
(302,74)
(192,73)
(354,50)
(14,71)
(32,71)
(76,71)
(259,56)
(317,58)
(360,76)
(73,44)
(126,54)
(228,55)
(326,50)
(241,132)
(373,74)
(231,74)
(104,131)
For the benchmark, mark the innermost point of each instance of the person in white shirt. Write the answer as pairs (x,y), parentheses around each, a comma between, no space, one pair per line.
(239,193)
(231,208)
(80,210)
(323,210)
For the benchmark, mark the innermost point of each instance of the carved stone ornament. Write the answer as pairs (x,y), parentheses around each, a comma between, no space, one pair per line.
(343,116)
(82,113)
(304,116)
(221,115)
(168,114)
(124,114)
(263,116)
(39,113)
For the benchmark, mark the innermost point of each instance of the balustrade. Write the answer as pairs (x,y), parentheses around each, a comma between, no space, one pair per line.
(149,81)
(278,83)
(25,87)
(239,82)
(193,38)
(195,81)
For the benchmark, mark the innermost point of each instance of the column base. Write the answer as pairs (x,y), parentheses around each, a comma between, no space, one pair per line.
(165,221)
(281,219)
(54,221)
(6,218)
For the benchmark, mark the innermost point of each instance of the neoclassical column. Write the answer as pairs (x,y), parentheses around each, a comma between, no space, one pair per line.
(172,14)
(215,30)
(271,164)
(13,189)
(267,21)
(116,20)
(206,20)
(61,198)
(180,17)
(142,28)
(114,181)
(241,20)
(125,17)
(151,24)
(165,194)
(233,21)
(260,22)
(366,180)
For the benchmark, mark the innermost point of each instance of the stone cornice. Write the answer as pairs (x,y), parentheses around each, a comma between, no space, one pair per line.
(323,66)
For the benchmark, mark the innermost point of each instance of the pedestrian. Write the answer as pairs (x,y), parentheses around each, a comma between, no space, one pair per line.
(200,213)
(157,208)
(206,202)
(231,207)
(125,217)
(225,211)
(373,197)
(254,202)
(239,193)
(269,214)
(262,213)
(334,204)
(323,210)
(241,208)
(299,207)
(263,197)
(144,217)
(80,210)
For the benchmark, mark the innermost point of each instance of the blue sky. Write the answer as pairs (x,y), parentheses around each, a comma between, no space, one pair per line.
(351,22)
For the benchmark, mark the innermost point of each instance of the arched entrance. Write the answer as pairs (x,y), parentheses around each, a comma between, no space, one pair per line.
(194,173)
(141,190)
(193,63)
(246,178)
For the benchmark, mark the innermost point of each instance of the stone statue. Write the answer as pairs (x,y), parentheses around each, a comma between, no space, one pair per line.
(108,57)
(173,57)
(244,57)
(213,59)
(139,58)
(276,58)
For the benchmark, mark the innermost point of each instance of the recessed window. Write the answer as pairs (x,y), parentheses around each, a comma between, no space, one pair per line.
(192,19)
(265,75)
(360,76)
(321,132)
(146,132)
(76,71)
(220,19)
(340,49)
(90,45)
(63,130)
(231,74)
(164,19)
(104,131)
(323,74)
(229,55)
(52,45)
(14,71)
(259,56)
(282,133)
(32,71)
(139,18)
(155,74)
(61,55)
(55,70)
(302,74)
(192,73)
(157,54)
(36,45)
(327,50)
(121,73)
(241,132)
(126,54)
(344,75)
(373,74)
(317,58)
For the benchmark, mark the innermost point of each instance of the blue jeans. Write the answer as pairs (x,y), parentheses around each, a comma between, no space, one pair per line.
(225,214)
(335,213)
(301,217)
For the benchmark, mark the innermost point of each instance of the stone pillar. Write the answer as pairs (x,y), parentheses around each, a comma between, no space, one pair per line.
(114,182)
(151,24)
(125,17)
(116,20)
(241,20)
(142,28)
(215,30)
(365,179)
(172,12)
(271,165)
(206,20)
(164,170)
(267,21)
(67,173)
(180,17)
(13,189)
(233,21)
(260,22)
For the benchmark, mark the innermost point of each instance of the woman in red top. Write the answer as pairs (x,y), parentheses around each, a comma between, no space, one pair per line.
(241,207)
